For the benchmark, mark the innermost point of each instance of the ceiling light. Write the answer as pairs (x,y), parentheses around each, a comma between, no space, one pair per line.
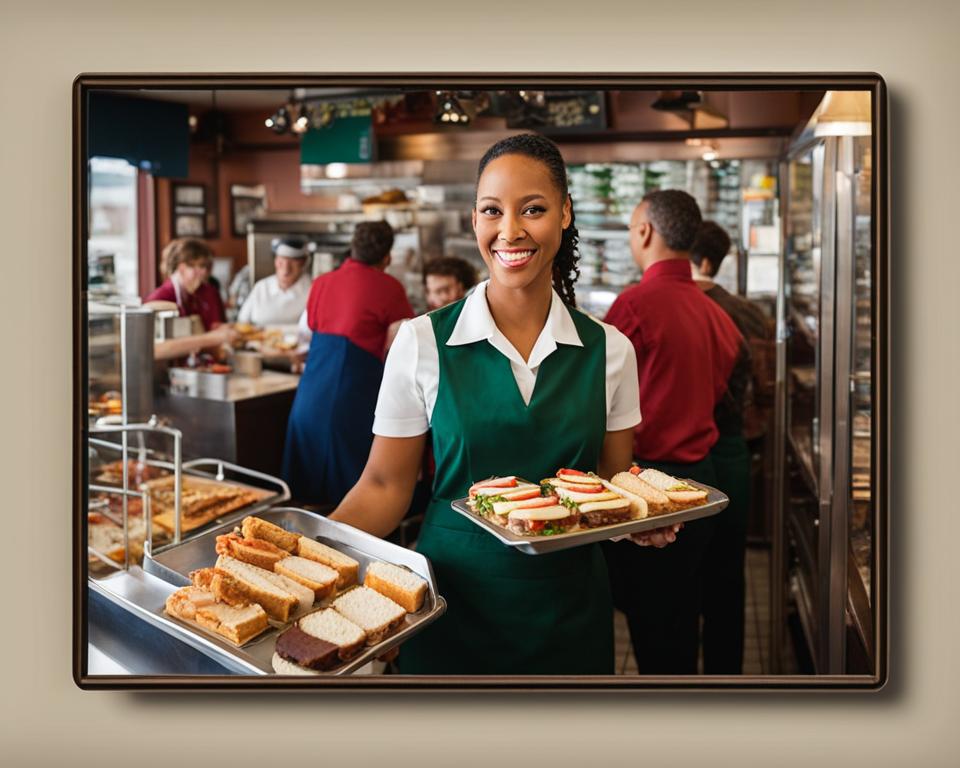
(843,113)
(302,122)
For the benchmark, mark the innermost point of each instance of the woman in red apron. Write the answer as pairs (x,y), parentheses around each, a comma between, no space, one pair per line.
(511,379)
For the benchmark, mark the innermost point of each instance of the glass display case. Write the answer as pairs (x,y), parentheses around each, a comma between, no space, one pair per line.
(605,194)
(824,542)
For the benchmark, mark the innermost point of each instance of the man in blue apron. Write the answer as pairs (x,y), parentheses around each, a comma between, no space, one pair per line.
(353,312)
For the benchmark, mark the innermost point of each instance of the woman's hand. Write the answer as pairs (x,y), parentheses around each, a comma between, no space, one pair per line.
(659,537)
(223,334)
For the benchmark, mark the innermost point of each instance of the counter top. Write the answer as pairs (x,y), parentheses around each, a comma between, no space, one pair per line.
(267,383)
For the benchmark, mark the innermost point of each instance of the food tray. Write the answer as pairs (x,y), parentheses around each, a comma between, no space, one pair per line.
(145,592)
(256,498)
(540,545)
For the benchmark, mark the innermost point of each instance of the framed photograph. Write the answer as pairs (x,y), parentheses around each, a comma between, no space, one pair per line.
(246,202)
(222,550)
(191,217)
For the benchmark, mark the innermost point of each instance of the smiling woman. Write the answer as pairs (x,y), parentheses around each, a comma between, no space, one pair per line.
(561,385)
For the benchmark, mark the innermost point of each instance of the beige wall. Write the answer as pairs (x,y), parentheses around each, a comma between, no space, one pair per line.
(46,721)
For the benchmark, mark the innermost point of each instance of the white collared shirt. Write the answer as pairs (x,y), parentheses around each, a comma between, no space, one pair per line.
(411,375)
(267,304)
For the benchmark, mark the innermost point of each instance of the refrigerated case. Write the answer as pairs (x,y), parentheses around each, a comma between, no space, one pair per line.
(728,191)
(824,534)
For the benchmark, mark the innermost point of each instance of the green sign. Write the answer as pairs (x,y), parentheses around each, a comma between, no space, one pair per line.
(345,140)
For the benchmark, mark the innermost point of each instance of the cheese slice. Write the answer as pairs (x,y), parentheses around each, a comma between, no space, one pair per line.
(556,512)
(508,492)
(556,482)
(581,497)
(505,507)
(618,503)
(578,479)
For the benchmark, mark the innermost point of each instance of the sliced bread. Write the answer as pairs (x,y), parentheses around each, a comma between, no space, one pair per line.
(185,601)
(404,587)
(346,566)
(257,528)
(238,625)
(335,628)
(375,614)
(236,581)
(254,551)
(318,577)
(283,667)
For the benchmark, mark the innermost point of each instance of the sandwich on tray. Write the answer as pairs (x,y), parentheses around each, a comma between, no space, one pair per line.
(595,503)
(681,493)
(641,493)
(483,495)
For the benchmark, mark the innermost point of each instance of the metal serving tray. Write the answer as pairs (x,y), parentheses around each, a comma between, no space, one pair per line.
(144,592)
(540,545)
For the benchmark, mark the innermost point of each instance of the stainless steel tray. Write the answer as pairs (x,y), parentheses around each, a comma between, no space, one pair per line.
(144,592)
(539,545)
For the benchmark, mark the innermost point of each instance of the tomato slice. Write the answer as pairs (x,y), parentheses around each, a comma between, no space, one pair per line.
(635,470)
(588,489)
(545,501)
(495,482)
(536,525)
(522,495)
(571,472)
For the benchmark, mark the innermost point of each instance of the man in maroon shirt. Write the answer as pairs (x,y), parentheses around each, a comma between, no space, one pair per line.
(686,349)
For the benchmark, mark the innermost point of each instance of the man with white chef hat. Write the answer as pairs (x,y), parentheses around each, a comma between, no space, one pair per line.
(281,298)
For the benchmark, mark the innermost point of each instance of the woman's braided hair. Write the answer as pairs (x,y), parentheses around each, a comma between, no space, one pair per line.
(536,147)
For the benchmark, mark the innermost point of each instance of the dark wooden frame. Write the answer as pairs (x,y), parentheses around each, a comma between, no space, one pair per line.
(812,81)
(206,231)
(234,231)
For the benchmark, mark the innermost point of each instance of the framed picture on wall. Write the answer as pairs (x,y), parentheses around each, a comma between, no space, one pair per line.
(246,203)
(788,566)
(190,215)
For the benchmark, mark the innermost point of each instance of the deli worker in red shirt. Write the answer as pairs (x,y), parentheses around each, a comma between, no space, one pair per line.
(353,314)
(686,348)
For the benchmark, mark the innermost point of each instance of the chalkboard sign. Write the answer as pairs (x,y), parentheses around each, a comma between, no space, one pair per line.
(560,112)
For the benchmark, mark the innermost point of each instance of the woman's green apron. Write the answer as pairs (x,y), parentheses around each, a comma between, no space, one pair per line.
(508,612)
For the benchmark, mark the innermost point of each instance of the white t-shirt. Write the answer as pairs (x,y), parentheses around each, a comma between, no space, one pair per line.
(411,374)
(267,304)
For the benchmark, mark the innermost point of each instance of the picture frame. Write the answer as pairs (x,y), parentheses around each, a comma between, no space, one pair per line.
(878,633)
(191,217)
(247,201)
